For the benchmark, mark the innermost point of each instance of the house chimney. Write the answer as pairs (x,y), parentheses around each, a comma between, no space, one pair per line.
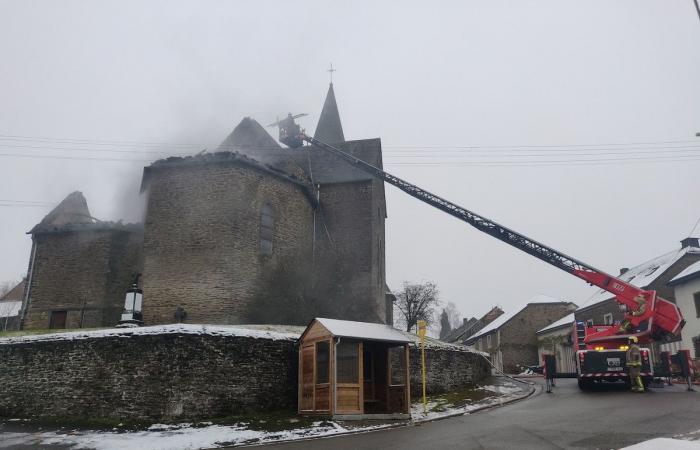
(690,242)
(624,270)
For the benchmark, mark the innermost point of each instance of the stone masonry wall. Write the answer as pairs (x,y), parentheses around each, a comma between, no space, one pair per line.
(202,239)
(176,377)
(169,377)
(446,370)
(85,273)
(517,337)
(350,213)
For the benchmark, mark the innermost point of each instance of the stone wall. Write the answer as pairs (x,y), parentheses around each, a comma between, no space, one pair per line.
(353,222)
(517,337)
(446,370)
(202,249)
(167,377)
(181,375)
(84,272)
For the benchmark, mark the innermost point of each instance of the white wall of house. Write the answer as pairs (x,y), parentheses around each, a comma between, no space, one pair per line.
(686,293)
(556,342)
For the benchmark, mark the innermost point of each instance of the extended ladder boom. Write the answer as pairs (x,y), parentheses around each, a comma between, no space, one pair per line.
(662,315)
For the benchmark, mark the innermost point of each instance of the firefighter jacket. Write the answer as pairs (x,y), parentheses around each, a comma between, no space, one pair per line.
(634,356)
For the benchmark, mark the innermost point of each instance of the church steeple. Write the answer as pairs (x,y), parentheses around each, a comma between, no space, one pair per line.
(329,128)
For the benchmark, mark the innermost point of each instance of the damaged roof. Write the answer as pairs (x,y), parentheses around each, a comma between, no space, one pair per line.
(72,214)
(251,139)
(224,157)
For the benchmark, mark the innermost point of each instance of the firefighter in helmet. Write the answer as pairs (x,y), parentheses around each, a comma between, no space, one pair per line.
(634,365)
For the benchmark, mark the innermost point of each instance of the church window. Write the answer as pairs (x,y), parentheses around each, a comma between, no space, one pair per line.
(267,224)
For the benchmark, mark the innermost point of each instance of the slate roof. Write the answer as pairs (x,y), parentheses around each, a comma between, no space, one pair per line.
(643,275)
(72,210)
(251,139)
(461,330)
(503,319)
(72,215)
(564,321)
(690,272)
(16,293)
(329,128)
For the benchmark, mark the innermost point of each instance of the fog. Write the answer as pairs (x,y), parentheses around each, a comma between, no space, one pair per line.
(606,93)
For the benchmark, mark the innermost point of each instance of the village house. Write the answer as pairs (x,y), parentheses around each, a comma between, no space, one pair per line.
(655,274)
(686,288)
(557,339)
(10,306)
(511,339)
(470,326)
(251,233)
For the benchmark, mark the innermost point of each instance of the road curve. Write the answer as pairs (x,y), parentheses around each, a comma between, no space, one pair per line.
(568,418)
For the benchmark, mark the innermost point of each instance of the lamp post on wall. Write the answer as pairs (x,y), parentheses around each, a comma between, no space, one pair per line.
(133,302)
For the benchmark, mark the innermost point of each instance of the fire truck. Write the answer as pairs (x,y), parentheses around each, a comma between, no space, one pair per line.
(601,349)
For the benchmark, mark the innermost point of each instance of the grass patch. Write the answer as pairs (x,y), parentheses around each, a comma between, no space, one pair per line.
(271,421)
(458,399)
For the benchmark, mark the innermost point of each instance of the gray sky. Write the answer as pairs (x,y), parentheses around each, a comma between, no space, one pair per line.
(572,77)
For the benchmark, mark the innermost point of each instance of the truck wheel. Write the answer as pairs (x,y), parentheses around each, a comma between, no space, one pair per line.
(584,385)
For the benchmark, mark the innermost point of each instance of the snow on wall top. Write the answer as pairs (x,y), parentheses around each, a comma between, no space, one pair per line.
(692,269)
(10,309)
(566,320)
(503,318)
(363,330)
(644,274)
(274,332)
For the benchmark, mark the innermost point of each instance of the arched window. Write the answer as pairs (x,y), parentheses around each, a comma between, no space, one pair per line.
(267,225)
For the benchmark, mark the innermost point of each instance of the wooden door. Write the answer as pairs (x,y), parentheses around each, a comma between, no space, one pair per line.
(306,400)
(349,396)
(58,319)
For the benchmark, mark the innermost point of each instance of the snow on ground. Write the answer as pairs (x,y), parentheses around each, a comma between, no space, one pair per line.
(206,435)
(666,444)
(275,332)
(687,441)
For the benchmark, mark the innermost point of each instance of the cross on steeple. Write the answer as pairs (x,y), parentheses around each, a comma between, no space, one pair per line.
(331,70)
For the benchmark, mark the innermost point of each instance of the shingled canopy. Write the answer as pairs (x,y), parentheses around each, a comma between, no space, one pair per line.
(353,370)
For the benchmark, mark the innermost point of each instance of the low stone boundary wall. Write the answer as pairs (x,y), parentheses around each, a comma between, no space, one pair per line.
(175,373)
(447,369)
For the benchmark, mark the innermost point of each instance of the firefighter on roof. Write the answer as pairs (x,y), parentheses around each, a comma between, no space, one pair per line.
(634,365)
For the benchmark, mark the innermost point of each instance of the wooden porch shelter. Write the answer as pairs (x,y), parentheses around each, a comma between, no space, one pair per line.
(354,370)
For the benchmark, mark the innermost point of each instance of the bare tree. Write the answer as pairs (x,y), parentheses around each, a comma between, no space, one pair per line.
(417,302)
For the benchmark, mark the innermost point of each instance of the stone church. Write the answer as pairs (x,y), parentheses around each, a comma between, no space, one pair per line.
(251,233)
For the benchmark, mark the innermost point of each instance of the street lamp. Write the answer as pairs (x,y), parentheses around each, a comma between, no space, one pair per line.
(131,315)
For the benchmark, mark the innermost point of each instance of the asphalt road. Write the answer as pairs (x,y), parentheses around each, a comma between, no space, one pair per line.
(568,418)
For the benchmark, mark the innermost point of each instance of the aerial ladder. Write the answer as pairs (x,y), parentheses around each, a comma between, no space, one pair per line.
(647,316)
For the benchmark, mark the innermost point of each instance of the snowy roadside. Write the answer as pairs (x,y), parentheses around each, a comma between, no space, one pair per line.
(207,435)
(687,441)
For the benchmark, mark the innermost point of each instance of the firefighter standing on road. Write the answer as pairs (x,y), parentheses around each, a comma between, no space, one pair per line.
(634,365)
